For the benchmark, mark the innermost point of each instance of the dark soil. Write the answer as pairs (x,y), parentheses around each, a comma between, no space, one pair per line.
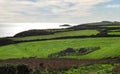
(54,63)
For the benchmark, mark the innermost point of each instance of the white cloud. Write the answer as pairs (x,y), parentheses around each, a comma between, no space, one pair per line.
(29,11)
(113,6)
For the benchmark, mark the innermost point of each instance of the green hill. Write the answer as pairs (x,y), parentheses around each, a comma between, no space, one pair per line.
(59,34)
(79,30)
(109,46)
(93,41)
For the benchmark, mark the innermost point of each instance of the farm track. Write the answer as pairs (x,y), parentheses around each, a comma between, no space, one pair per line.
(56,63)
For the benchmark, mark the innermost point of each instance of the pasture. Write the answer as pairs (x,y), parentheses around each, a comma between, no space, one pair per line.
(59,34)
(109,47)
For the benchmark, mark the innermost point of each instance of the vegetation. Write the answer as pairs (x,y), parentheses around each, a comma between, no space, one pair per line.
(75,52)
(11,69)
(60,34)
(114,33)
(5,41)
(101,41)
(33,33)
(91,69)
(81,69)
(109,48)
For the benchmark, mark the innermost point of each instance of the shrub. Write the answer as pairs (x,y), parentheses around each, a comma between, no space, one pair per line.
(5,41)
(71,51)
(7,69)
(102,33)
(23,69)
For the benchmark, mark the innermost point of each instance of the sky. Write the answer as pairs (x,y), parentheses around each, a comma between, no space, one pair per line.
(56,11)
(10,29)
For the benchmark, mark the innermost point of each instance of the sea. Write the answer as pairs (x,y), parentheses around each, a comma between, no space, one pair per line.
(10,29)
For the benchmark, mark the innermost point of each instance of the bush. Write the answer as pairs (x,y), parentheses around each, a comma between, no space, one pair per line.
(87,50)
(23,69)
(102,33)
(7,69)
(82,50)
(67,51)
(5,41)
(71,51)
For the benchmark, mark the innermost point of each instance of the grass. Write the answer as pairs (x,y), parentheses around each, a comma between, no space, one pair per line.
(109,48)
(61,34)
(115,26)
(91,69)
(114,33)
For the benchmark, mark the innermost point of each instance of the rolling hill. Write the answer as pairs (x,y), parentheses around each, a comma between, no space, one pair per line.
(97,44)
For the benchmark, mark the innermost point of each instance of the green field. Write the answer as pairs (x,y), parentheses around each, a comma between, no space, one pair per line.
(91,69)
(109,48)
(111,26)
(114,33)
(61,34)
(98,47)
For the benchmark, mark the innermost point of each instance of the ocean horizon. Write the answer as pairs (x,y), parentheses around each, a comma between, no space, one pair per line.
(10,29)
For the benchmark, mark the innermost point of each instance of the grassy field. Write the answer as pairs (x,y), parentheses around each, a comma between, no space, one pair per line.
(61,34)
(91,69)
(109,48)
(114,33)
(111,26)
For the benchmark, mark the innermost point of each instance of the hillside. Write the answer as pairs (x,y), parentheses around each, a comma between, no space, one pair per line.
(109,47)
(70,38)
(85,48)
(89,29)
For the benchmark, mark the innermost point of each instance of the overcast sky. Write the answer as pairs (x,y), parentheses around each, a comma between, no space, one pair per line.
(20,15)
(58,11)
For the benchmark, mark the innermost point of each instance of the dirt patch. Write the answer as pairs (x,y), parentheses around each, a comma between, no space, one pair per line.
(53,63)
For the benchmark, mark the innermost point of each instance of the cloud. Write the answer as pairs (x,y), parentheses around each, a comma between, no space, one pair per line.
(44,10)
(113,6)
